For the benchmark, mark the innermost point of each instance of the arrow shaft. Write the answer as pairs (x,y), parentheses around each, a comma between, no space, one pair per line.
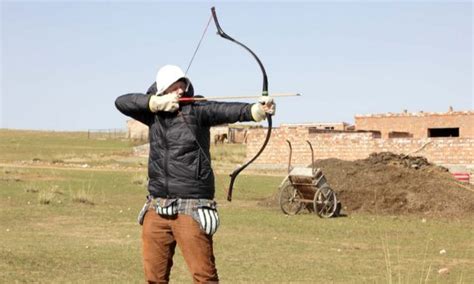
(276,95)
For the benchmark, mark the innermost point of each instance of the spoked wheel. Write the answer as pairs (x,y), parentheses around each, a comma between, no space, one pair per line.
(325,202)
(290,198)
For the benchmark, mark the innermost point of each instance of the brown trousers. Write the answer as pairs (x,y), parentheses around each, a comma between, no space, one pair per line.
(161,234)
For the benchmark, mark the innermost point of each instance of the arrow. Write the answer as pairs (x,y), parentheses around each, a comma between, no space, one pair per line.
(193,99)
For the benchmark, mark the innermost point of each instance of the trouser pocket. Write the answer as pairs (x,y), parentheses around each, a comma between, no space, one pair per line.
(205,213)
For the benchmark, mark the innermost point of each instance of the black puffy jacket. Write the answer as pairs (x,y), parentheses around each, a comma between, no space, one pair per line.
(179,165)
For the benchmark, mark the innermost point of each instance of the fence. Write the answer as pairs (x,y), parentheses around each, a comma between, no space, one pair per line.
(112,133)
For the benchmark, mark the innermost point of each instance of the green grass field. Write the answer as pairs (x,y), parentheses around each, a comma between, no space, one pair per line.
(61,222)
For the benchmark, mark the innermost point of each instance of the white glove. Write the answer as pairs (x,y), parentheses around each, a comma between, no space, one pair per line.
(167,103)
(264,106)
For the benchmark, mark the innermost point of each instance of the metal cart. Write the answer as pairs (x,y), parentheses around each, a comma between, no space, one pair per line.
(307,188)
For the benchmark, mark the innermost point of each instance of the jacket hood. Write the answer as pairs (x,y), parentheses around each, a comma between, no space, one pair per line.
(167,75)
(189,93)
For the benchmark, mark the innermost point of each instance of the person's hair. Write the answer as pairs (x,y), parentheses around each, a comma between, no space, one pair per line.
(183,80)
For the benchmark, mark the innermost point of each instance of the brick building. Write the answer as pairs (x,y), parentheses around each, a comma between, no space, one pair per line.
(443,138)
(323,125)
(419,125)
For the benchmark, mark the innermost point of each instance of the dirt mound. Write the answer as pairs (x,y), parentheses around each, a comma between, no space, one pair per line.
(386,183)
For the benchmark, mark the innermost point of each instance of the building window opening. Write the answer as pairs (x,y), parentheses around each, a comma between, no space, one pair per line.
(443,132)
(376,134)
(399,134)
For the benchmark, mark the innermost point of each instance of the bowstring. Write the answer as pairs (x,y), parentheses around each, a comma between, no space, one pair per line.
(208,159)
(198,45)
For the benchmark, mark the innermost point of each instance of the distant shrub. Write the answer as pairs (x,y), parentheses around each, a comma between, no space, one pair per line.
(55,189)
(31,189)
(45,197)
(83,196)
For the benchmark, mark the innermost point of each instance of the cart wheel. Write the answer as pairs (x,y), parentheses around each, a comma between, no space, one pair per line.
(290,202)
(325,202)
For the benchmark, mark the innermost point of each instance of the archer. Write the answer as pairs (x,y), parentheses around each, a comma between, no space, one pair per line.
(180,208)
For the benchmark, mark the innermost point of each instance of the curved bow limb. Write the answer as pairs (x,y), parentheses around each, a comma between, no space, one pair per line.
(236,172)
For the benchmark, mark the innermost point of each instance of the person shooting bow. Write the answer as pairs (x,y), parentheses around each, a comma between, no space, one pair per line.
(180,207)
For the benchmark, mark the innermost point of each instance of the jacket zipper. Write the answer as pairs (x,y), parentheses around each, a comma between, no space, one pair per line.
(165,132)
(198,166)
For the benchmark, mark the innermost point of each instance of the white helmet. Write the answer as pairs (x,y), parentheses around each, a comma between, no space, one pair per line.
(167,75)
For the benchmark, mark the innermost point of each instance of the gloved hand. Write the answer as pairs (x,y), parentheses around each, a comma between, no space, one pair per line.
(167,103)
(264,106)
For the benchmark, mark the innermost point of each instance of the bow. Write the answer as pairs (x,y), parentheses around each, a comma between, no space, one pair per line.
(236,172)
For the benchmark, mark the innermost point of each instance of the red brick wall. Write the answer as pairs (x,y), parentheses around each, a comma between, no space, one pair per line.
(417,123)
(352,146)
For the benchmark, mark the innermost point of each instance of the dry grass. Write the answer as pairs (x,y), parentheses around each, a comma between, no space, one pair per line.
(254,244)
(46,197)
(140,179)
(31,188)
(84,195)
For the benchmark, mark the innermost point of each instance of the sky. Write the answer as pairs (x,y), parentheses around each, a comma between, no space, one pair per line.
(63,63)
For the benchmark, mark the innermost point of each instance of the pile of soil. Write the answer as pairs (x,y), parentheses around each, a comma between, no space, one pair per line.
(387,183)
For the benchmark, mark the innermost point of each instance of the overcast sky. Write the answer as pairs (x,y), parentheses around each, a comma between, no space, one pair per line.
(63,63)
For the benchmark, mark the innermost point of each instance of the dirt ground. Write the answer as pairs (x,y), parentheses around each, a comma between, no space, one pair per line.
(387,183)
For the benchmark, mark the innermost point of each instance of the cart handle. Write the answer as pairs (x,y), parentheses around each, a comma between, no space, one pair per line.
(312,154)
(289,159)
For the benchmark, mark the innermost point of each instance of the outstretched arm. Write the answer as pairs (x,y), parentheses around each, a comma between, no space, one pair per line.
(215,113)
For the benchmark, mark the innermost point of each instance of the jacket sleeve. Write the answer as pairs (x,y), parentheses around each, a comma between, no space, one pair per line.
(215,113)
(135,105)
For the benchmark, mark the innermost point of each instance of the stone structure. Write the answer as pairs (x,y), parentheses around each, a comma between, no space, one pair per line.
(137,130)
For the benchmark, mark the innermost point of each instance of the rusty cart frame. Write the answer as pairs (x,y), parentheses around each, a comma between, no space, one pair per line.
(305,187)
